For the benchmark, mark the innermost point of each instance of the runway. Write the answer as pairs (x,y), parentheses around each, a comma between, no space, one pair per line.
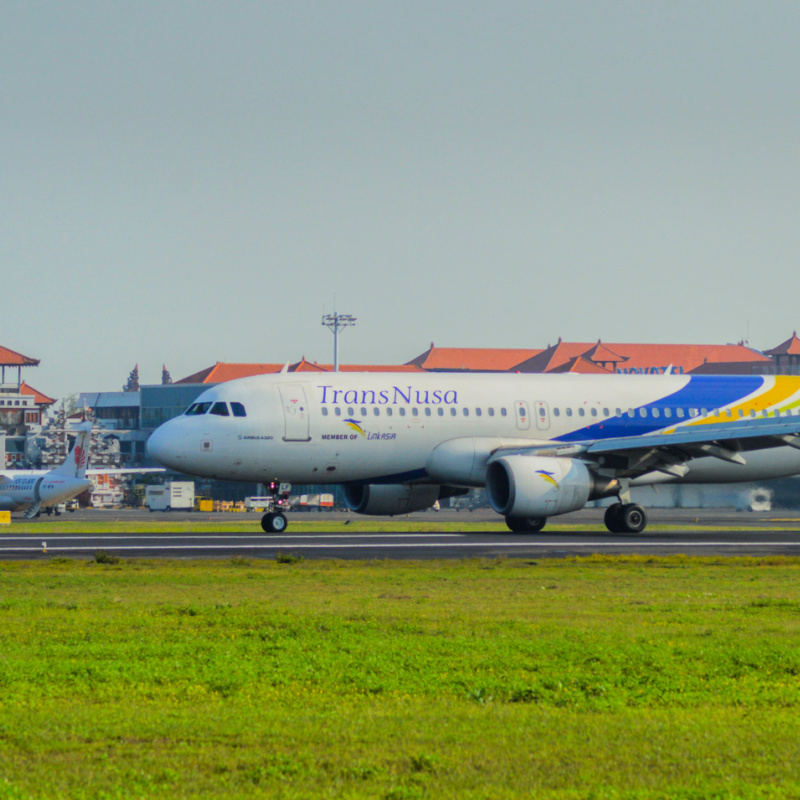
(776,536)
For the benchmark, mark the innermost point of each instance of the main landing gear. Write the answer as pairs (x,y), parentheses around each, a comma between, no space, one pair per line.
(526,524)
(625,518)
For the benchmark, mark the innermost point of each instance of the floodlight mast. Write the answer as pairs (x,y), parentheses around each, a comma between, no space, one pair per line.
(334,323)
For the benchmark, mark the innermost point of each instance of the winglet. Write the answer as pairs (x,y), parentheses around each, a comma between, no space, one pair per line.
(285,368)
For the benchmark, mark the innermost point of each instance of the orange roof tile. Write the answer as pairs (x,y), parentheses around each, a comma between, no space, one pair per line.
(10,358)
(791,347)
(39,398)
(485,359)
(222,372)
(582,366)
(644,357)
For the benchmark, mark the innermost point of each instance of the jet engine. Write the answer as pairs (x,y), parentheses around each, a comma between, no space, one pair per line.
(391,499)
(537,486)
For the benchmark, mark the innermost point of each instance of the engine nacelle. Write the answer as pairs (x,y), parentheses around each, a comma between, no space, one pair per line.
(390,499)
(536,486)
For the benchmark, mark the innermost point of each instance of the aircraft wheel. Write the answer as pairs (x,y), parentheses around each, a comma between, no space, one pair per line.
(632,518)
(274,523)
(526,524)
(612,516)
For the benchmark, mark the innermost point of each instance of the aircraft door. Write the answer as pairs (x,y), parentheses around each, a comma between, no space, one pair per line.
(523,415)
(295,413)
(542,413)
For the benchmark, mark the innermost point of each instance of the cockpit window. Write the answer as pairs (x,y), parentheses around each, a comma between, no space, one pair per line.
(220,409)
(197,408)
(238,410)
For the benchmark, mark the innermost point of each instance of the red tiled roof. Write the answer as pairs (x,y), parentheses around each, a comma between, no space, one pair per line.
(791,347)
(10,358)
(38,397)
(645,357)
(600,353)
(471,358)
(222,372)
(582,366)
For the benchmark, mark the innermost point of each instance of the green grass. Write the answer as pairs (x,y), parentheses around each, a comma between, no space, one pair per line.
(585,678)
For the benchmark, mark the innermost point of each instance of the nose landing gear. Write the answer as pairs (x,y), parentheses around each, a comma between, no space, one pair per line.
(275,521)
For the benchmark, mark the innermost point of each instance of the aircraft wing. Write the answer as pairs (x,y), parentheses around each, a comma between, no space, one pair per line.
(629,456)
(124,470)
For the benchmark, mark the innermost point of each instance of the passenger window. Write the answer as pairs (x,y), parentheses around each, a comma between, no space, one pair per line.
(220,409)
(631,413)
(388,412)
(466,412)
(655,412)
(693,412)
(581,412)
(350,412)
(376,411)
(452,412)
(363,412)
(606,412)
(741,413)
(594,412)
(680,413)
(618,412)
(569,412)
(556,412)
(427,411)
(503,412)
(338,411)
(704,411)
(415,411)
(477,412)
(324,411)
(402,411)
(491,412)
(238,410)
(667,412)
(752,413)
(440,412)
(642,412)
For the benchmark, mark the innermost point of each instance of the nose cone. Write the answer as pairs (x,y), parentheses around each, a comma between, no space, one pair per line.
(165,446)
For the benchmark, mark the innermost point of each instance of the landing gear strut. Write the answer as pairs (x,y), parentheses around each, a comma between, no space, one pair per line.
(526,524)
(625,518)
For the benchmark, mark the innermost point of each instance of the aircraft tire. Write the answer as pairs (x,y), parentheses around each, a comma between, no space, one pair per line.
(274,523)
(632,518)
(526,524)
(612,518)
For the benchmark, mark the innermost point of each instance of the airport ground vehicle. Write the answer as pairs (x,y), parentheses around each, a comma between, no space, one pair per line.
(172,496)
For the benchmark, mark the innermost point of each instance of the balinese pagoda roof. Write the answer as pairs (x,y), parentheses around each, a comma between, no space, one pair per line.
(791,347)
(10,358)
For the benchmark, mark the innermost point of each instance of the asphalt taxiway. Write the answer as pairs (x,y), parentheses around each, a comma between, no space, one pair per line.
(693,532)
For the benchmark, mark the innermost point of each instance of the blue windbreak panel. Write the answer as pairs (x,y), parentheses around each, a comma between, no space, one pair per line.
(702,391)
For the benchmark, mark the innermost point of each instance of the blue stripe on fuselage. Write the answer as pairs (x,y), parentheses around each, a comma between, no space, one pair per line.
(702,391)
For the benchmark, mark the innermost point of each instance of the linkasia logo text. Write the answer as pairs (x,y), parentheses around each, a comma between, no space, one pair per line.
(394,396)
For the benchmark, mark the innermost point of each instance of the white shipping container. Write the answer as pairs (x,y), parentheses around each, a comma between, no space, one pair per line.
(173,496)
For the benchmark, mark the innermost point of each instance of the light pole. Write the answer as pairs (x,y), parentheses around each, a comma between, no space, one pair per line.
(334,323)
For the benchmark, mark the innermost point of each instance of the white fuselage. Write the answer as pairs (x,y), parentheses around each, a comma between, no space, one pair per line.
(440,427)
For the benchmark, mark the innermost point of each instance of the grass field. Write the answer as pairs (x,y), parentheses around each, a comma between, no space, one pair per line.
(589,678)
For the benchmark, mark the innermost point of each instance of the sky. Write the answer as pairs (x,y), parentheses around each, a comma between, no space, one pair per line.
(189,182)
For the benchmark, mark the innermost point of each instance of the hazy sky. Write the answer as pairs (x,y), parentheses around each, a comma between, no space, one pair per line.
(188,182)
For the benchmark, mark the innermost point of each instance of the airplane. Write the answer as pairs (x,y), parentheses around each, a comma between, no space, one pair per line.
(32,490)
(541,445)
